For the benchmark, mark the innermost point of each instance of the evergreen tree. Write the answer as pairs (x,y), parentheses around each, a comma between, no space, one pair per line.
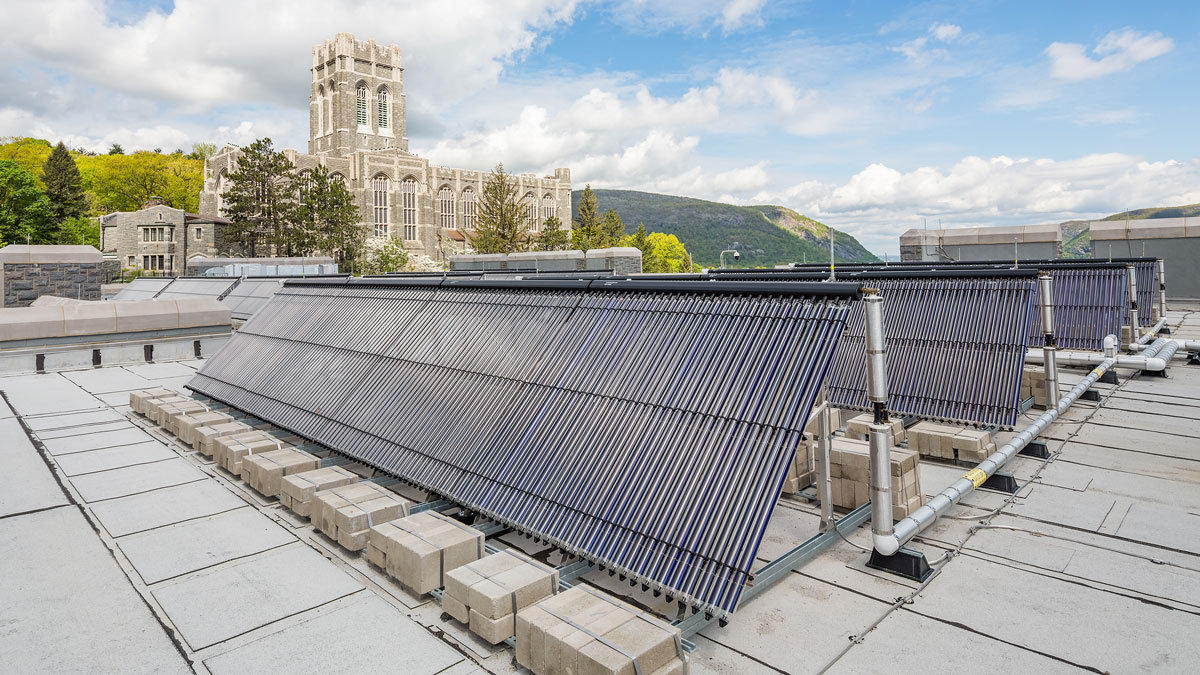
(587,222)
(329,218)
(638,240)
(261,201)
(63,185)
(500,223)
(553,237)
(25,211)
(116,149)
(612,228)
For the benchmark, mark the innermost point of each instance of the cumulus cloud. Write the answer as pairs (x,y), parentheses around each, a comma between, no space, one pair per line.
(919,49)
(1116,52)
(879,202)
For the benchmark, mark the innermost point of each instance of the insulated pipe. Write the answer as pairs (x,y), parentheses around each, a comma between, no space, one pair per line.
(1188,345)
(926,515)
(1145,361)
(1050,366)
(881,442)
(1162,289)
(1135,323)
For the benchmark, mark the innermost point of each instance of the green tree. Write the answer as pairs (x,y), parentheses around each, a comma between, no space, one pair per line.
(261,200)
(612,228)
(500,223)
(587,222)
(116,149)
(553,237)
(25,211)
(383,256)
(331,218)
(64,187)
(202,151)
(667,254)
(637,240)
(30,153)
(80,230)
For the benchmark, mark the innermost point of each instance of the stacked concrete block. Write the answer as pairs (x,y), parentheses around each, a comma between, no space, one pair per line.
(297,490)
(802,470)
(487,594)
(1033,385)
(582,630)
(418,550)
(265,470)
(931,439)
(204,437)
(346,514)
(859,428)
(184,425)
(850,468)
(230,451)
(162,411)
(138,399)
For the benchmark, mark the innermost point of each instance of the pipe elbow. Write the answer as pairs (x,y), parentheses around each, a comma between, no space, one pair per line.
(885,544)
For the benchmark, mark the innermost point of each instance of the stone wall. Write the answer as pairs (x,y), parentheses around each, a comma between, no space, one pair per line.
(26,282)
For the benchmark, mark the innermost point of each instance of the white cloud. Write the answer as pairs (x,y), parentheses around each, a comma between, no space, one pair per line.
(946,32)
(656,16)
(918,50)
(1116,52)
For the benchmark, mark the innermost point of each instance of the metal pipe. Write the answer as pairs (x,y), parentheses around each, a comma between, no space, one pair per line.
(926,515)
(824,475)
(881,442)
(1188,345)
(1162,289)
(1134,321)
(1145,361)
(1049,346)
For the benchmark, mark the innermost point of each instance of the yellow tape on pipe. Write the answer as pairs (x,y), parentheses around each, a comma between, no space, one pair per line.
(976,476)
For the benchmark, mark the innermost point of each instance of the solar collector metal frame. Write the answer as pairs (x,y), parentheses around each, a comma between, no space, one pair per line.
(660,424)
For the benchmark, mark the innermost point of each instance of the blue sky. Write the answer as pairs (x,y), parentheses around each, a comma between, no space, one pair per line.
(871,116)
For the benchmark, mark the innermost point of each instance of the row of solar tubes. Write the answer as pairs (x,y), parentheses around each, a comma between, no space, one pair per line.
(646,427)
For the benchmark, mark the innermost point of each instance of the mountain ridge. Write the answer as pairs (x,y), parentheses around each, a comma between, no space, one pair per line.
(765,234)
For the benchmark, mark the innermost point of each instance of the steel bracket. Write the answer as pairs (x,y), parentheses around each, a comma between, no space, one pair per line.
(1036,449)
(906,563)
(1001,481)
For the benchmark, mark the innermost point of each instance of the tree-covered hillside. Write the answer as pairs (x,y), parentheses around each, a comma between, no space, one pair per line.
(764,235)
(1077,238)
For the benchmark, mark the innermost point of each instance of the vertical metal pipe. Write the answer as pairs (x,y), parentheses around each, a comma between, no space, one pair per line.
(1135,324)
(881,442)
(1049,346)
(824,477)
(1162,289)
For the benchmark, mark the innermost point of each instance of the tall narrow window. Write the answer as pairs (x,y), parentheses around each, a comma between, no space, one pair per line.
(362,106)
(446,207)
(320,109)
(408,206)
(199,234)
(531,212)
(383,109)
(549,208)
(468,209)
(379,187)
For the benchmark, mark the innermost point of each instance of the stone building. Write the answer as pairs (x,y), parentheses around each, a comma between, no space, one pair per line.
(158,238)
(357,129)
(29,272)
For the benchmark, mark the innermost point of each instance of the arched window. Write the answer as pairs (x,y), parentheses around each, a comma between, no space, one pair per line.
(362,105)
(329,107)
(446,206)
(338,177)
(222,185)
(468,209)
(379,188)
(549,207)
(531,212)
(408,206)
(383,101)
(320,109)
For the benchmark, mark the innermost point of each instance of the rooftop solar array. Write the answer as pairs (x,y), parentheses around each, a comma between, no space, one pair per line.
(956,342)
(143,288)
(198,287)
(645,426)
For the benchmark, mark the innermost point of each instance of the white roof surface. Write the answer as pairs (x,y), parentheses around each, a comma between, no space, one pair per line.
(123,551)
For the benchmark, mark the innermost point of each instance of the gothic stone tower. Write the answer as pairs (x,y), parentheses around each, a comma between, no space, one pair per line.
(357,99)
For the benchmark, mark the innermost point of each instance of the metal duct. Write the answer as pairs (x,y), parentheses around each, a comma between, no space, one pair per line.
(645,426)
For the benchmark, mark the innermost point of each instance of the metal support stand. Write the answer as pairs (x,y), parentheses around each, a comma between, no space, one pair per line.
(906,563)
(1035,449)
(1001,481)
(1109,377)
